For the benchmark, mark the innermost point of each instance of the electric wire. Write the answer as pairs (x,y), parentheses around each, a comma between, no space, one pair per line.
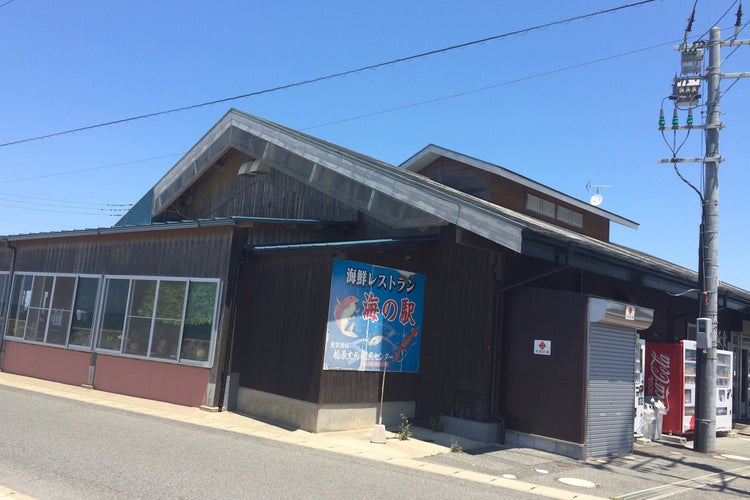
(91,169)
(374,113)
(66,202)
(330,76)
(6,3)
(487,87)
(718,20)
(57,211)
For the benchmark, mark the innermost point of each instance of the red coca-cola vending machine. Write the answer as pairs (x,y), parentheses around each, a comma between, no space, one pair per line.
(670,377)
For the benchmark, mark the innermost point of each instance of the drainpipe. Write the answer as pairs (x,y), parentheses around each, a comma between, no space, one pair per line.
(6,297)
(232,325)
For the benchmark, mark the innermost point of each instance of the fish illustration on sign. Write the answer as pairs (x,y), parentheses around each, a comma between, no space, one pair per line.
(374,341)
(344,313)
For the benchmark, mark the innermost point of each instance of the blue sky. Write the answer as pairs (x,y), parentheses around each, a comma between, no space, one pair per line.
(567,105)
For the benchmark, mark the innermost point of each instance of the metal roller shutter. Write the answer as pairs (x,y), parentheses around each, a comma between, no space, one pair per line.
(609,425)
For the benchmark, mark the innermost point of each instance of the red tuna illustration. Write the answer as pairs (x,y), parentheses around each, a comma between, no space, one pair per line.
(344,313)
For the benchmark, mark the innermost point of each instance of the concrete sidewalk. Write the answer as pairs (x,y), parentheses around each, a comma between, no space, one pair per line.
(653,470)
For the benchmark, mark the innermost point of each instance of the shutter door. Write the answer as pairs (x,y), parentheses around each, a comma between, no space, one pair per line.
(609,425)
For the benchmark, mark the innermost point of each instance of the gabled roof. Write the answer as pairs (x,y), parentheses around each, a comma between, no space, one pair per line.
(432,152)
(401,197)
(396,196)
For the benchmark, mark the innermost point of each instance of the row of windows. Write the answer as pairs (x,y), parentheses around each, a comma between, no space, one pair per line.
(553,211)
(161,318)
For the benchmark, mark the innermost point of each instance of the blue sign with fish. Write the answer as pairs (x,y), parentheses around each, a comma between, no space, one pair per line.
(374,318)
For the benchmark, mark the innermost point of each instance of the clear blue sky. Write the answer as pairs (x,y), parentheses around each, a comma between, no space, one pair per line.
(548,110)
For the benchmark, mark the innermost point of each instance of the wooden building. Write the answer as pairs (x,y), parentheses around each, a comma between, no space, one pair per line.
(215,290)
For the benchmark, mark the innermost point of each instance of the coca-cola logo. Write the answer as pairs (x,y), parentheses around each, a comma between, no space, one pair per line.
(658,382)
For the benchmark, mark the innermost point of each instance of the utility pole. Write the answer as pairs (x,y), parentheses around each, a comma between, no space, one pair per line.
(705,381)
(685,92)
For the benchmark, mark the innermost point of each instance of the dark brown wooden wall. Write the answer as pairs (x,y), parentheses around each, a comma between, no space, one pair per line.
(282,314)
(545,395)
(458,330)
(222,193)
(281,311)
(507,193)
(199,252)
(460,176)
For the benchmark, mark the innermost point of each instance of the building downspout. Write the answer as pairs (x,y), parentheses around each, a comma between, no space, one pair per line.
(6,298)
(497,351)
(232,325)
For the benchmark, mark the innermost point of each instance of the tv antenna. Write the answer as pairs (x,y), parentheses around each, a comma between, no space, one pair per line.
(596,198)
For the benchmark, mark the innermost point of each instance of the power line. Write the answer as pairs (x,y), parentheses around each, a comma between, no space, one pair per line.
(54,211)
(488,87)
(70,202)
(331,76)
(91,169)
(6,3)
(375,113)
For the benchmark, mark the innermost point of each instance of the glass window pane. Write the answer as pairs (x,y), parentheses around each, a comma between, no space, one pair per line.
(199,318)
(563,214)
(113,320)
(533,203)
(41,295)
(37,322)
(60,310)
(3,281)
(140,315)
(548,208)
(83,312)
(19,305)
(576,219)
(167,325)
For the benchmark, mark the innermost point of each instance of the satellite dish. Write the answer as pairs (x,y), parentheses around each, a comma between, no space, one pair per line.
(596,198)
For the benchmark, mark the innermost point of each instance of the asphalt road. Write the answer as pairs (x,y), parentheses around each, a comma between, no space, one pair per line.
(55,448)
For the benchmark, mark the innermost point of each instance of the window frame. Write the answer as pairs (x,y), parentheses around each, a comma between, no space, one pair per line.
(48,309)
(149,352)
(99,314)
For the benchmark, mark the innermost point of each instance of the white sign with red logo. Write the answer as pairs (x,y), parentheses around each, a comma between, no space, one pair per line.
(630,313)
(543,347)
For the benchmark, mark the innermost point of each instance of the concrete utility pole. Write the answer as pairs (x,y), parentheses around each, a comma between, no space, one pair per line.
(685,92)
(705,382)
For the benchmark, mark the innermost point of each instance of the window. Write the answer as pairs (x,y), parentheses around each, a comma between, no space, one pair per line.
(569,217)
(113,320)
(549,209)
(140,314)
(42,308)
(540,206)
(199,318)
(82,323)
(3,281)
(170,310)
(159,318)
(61,310)
(20,299)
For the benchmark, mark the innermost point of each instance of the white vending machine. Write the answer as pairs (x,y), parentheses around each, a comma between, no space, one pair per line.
(724,364)
(640,360)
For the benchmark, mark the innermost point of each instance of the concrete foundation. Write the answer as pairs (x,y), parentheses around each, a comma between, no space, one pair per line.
(314,417)
(470,429)
(565,448)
